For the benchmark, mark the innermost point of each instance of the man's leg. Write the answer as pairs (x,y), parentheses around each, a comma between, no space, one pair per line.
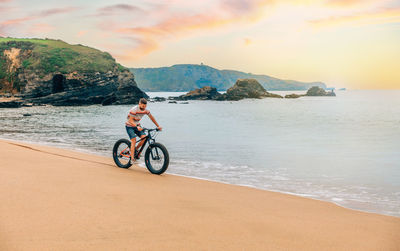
(133,143)
(140,143)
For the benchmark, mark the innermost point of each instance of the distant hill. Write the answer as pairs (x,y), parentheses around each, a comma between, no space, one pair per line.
(186,77)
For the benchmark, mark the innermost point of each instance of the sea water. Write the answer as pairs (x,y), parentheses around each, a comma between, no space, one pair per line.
(343,149)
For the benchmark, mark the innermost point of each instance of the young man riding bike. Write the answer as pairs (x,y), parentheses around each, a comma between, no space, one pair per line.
(133,127)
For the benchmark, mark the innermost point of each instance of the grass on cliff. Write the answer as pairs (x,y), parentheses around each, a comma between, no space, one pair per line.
(48,55)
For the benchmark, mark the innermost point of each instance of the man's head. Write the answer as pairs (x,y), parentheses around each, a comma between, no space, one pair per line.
(142,103)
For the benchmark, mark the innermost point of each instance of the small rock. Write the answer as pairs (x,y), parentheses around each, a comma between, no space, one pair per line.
(204,93)
(293,96)
(158,99)
(10,104)
(318,91)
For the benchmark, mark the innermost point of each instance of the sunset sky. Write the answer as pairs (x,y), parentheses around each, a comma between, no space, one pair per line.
(343,43)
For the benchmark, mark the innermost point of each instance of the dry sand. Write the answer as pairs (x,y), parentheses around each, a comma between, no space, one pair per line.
(55,199)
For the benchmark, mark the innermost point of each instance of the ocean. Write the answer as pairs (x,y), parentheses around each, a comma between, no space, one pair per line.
(343,149)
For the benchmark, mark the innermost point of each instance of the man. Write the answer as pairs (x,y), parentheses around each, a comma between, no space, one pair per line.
(133,128)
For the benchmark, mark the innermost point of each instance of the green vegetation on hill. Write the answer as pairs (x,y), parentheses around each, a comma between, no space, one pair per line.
(48,55)
(186,77)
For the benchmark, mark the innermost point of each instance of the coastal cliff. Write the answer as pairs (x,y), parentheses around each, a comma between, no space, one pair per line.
(45,71)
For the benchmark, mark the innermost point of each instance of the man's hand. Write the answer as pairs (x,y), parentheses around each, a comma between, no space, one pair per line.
(159,128)
(139,128)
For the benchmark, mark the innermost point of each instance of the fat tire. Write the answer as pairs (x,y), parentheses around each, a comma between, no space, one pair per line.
(147,158)
(115,153)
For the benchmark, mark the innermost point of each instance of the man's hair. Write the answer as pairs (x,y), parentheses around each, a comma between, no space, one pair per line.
(143,101)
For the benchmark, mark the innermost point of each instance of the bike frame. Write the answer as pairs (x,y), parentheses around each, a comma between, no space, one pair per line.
(146,139)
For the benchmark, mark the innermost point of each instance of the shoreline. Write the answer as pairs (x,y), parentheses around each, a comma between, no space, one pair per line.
(61,199)
(307,196)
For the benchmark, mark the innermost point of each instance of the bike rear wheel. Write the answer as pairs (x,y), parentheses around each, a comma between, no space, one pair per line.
(122,153)
(156,158)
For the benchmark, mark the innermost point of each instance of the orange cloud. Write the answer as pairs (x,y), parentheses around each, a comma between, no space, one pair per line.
(81,33)
(17,21)
(54,11)
(117,8)
(35,28)
(149,38)
(381,16)
(40,28)
(247,41)
(346,3)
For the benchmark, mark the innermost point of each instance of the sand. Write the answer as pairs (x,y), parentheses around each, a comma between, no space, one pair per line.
(56,199)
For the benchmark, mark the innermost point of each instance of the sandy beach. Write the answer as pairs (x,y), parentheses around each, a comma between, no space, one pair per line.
(56,199)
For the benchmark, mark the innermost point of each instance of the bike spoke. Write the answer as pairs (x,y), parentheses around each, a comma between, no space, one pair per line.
(124,154)
(156,158)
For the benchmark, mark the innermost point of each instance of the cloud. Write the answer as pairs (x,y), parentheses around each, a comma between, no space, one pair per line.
(352,3)
(344,2)
(81,33)
(117,8)
(16,21)
(11,23)
(387,15)
(39,15)
(41,28)
(247,41)
(55,11)
(150,38)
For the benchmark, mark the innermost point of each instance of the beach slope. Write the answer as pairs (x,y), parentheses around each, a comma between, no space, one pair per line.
(55,199)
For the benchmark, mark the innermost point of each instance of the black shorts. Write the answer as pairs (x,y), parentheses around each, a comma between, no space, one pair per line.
(133,132)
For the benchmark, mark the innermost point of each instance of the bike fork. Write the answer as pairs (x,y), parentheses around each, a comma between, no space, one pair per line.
(152,155)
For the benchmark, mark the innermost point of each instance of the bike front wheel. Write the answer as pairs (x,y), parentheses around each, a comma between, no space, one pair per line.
(156,158)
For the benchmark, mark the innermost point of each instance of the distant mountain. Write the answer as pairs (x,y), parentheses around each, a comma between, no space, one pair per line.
(186,77)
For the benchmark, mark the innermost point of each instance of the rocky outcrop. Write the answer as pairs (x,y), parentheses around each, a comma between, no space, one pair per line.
(248,88)
(293,96)
(318,91)
(158,99)
(313,91)
(204,93)
(243,88)
(75,75)
(10,104)
(74,89)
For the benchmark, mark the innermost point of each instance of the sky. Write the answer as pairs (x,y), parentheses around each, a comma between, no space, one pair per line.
(343,43)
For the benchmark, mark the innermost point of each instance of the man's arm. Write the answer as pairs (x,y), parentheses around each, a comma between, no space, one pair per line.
(132,122)
(154,121)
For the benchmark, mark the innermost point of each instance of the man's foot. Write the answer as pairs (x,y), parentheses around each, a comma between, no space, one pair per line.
(132,161)
(137,156)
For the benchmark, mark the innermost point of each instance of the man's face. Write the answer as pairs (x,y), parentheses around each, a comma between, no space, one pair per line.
(142,106)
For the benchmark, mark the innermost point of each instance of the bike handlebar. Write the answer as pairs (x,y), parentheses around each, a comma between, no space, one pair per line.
(150,130)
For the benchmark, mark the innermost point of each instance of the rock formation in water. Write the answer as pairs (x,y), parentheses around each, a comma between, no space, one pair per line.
(243,88)
(293,95)
(318,91)
(204,93)
(248,88)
